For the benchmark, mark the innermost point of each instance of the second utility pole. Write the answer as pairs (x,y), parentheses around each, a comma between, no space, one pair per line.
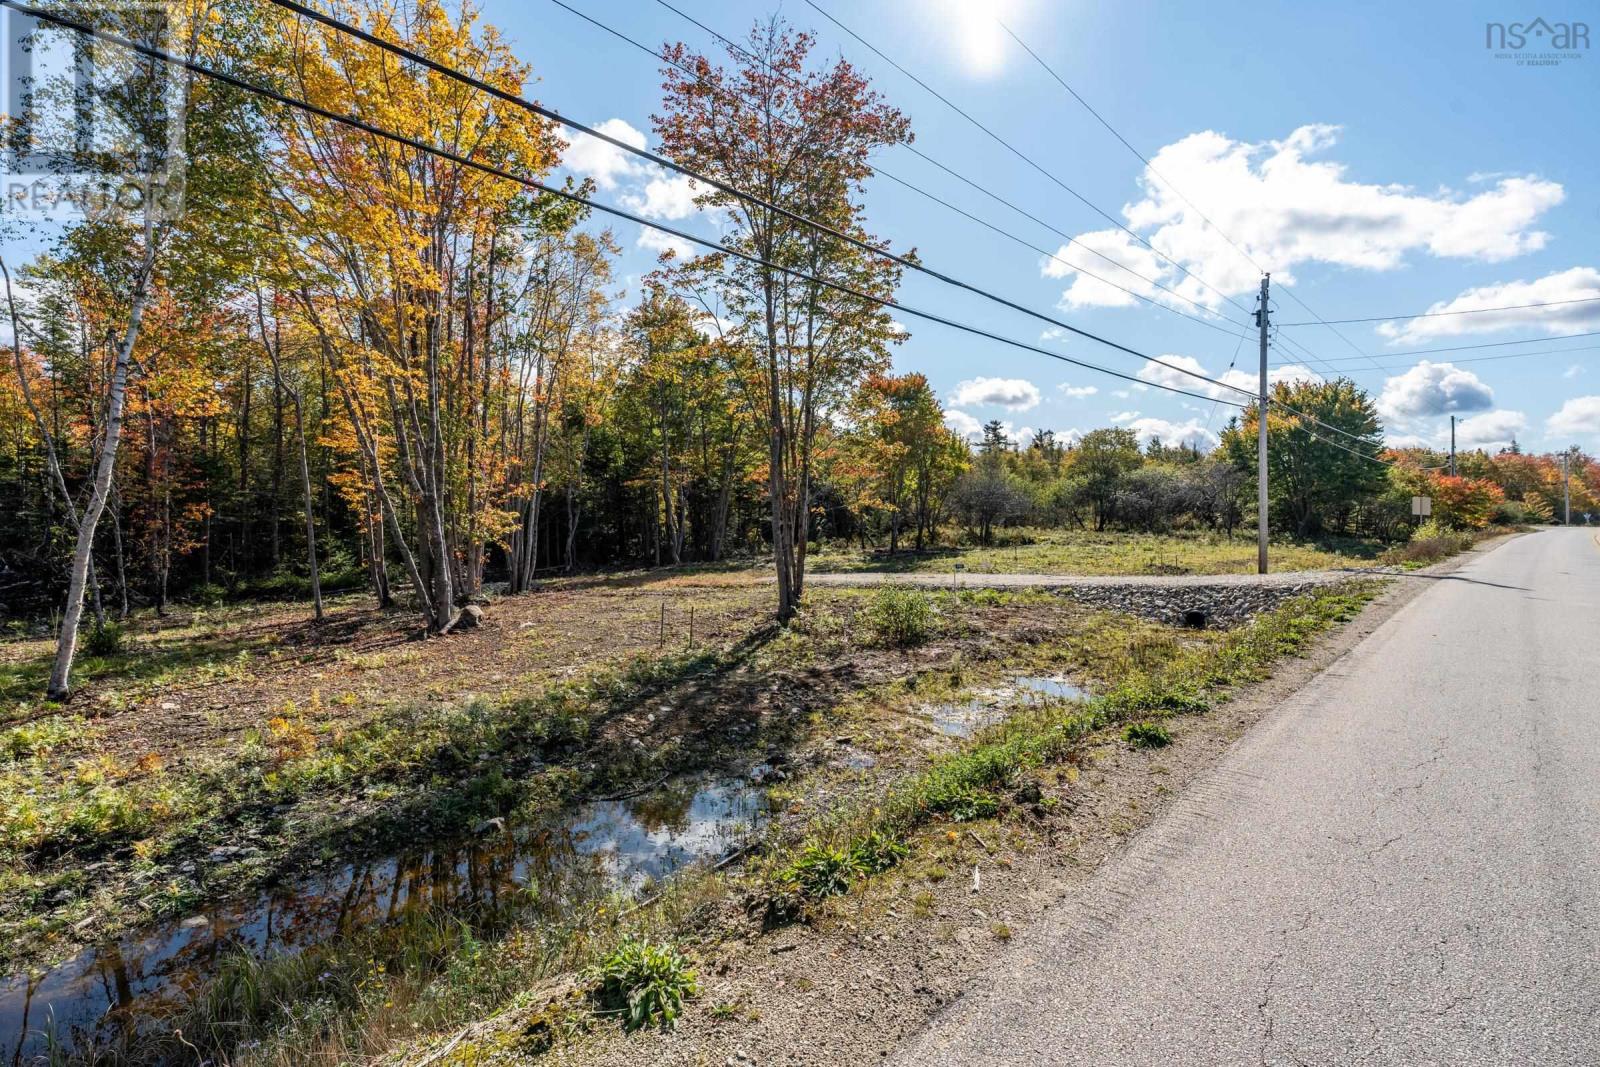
(1452,446)
(1261,437)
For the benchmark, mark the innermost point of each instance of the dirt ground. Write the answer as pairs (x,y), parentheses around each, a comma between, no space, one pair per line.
(883,961)
(202,678)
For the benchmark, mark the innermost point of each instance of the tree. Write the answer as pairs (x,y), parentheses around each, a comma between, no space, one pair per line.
(902,446)
(1099,463)
(799,137)
(1316,474)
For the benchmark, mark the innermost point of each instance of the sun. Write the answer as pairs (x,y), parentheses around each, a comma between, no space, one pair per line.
(972,30)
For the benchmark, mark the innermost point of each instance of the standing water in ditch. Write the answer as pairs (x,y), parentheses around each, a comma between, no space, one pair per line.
(963,718)
(540,868)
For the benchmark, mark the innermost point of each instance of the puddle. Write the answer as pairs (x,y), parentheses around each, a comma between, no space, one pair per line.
(1055,687)
(542,868)
(963,718)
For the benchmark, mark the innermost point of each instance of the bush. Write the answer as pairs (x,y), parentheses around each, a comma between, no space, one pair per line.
(1146,735)
(964,803)
(1510,513)
(820,871)
(1429,543)
(876,852)
(105,640)
(900,616)
(645,983)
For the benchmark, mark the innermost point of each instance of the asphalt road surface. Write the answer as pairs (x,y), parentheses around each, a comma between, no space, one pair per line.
(1401,865)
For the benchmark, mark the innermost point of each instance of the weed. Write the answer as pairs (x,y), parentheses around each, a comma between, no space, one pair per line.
(645,983)
(876,852)
(106,639)
(1001,931)
(963,803)
(900,616)
(820,871)
(1146,735)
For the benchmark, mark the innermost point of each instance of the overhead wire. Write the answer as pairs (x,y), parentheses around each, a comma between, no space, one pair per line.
(551,114)
(363,126)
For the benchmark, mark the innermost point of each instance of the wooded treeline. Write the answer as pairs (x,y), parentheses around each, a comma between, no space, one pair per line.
(349,361)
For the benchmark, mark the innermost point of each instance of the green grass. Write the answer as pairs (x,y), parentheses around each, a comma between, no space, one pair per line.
(1057,551)
(1187,676)
(1146,735)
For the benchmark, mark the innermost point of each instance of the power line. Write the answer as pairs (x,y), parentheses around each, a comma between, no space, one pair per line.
(1461,311)
(1140,156)
(486,168)
(986,191)
(1492,359)
(514,99)
(1472,348)
(661,161)
(1008,146)
(1151,168)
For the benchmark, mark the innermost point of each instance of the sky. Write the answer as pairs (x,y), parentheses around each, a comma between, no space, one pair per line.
(1379,159)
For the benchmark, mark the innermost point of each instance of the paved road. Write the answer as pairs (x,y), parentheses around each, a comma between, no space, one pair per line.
(1400,866)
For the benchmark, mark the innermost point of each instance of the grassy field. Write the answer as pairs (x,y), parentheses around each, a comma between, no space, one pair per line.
(1057,551)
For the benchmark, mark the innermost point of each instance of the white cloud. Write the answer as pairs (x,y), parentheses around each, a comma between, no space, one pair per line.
(664,197)
(606,163)
(1559,289)
(1168,373)
(1433,389)
(1572,371)
(1017,394)
(1077,392)
(963,425)
(1490,429)
(1286,209)
(898,329)
(1108,254)
(1123,416)
(1578,416)
(1054,333)
(654,240)
(1192,432)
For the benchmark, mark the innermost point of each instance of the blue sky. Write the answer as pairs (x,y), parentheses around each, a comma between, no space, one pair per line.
(1377,156)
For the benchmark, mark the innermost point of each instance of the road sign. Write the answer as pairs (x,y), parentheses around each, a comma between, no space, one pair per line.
(1422,506)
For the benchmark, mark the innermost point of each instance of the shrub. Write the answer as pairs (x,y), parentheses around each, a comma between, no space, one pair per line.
(106,639)
(1146,735)
(876,852)
(963,803)
(644,982)
(900,616)
(820,871)
(1430,542)
(207,596)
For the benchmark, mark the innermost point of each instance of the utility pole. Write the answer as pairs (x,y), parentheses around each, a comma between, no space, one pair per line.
(1261,436)
(1452,446)
(1566,488)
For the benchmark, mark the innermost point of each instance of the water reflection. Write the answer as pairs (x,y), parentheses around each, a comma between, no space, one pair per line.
(546,868)
(963,718)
